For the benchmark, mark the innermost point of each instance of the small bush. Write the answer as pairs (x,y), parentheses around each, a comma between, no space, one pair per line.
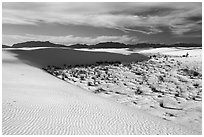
(191,72)
(99,90)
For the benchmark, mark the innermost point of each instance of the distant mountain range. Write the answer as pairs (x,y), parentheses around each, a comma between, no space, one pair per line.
(5,46)
(30,44)
(139,45)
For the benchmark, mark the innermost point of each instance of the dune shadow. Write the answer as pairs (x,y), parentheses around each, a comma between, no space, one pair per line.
(56,56)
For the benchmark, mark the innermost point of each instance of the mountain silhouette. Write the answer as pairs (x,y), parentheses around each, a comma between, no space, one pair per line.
(5,46)
(139,45)
(30,44)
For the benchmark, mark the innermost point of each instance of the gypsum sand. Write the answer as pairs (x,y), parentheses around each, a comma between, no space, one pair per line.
(161,86)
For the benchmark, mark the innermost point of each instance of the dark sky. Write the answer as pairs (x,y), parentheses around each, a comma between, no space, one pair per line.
(90,23)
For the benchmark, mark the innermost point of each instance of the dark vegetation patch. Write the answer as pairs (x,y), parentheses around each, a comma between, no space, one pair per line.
(190,72)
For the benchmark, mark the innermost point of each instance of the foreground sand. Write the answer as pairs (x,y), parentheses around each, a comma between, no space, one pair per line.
(35,102)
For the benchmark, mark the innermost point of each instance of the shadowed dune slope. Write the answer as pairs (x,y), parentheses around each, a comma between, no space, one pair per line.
(59,56)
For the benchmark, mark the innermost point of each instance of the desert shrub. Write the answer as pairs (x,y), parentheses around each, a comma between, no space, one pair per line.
(143,90)
(90,83)
(161,104)
(44,69)
(137,73)
(161,78)
(82,72)
(93,77)
(99,90)
(191,72)
(196,85)
(56,73)
(82,77)
(154,56)
(56,67)
(99,62)
(118,62)
(154,89)
(138,92)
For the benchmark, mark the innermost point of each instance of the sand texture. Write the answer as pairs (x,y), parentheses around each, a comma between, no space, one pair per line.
(35,102)
(164,87)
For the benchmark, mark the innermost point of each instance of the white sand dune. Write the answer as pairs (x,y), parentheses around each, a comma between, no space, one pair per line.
(175,51)
(35,102)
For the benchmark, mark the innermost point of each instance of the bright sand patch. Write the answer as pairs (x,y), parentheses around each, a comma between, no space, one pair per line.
(175,51)
(35,102)
(124,51)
